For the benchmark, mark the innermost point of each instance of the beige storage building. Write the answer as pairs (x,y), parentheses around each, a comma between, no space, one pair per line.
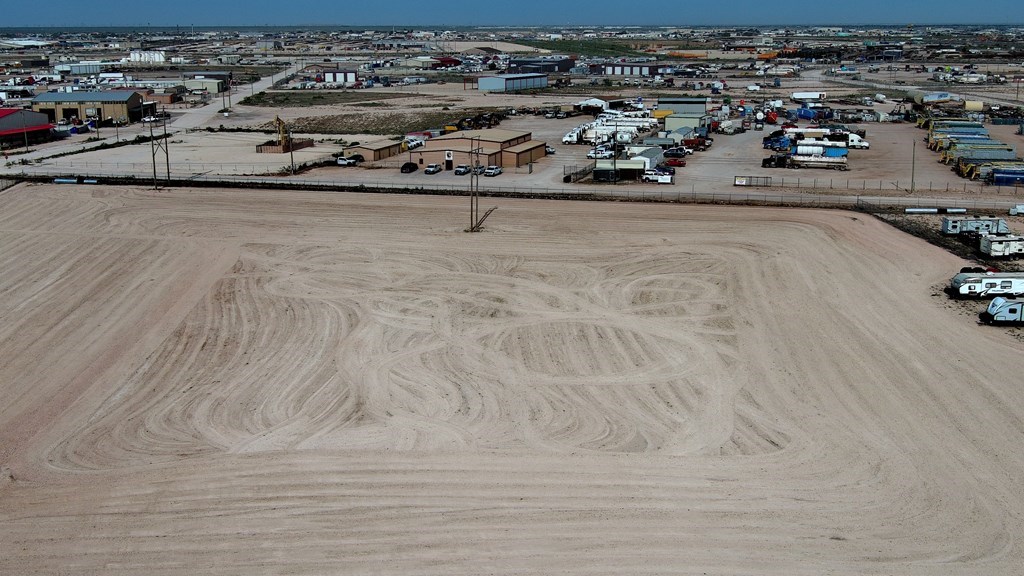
(374,151)
(492,146)
(83,105)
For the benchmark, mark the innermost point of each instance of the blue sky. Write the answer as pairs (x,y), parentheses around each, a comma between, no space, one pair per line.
(523,12)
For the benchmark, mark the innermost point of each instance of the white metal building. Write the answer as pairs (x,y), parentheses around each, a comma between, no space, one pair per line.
(512,82)
(340,76)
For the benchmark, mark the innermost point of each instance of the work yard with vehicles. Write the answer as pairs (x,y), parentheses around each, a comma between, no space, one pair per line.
(581,385)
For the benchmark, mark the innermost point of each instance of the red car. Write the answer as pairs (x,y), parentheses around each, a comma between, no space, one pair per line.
(677,162)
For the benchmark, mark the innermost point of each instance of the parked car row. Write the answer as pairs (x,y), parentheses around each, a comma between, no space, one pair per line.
(460,170)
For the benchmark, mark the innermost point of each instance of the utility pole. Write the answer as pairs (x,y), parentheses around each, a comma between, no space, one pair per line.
(152,149)
(24,130)
(166,143)
(153,146)
(913,165)
(474,187)
(291,149)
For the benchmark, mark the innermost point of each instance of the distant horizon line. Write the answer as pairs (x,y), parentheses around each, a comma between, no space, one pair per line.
(508,26)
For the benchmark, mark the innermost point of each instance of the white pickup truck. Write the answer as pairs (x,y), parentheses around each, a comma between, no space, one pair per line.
(657,177)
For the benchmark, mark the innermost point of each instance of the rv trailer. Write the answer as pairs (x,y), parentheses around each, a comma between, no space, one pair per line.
(1003,311)
(961,224)
(986,284)
(1005,246)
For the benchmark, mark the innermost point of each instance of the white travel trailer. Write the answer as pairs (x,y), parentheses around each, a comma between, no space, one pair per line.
(981,224)
(1004,246)
(1003,311)
(986,284)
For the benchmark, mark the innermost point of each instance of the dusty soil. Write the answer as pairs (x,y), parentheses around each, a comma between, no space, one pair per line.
(239,382)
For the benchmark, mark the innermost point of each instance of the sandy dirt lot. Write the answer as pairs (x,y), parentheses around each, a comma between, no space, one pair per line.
(240,382)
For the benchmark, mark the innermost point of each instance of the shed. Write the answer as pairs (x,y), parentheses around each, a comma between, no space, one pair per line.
(684,104)
(651,157)
(211,85)
(689,120)
(375,151)
(512,82)
(631,169)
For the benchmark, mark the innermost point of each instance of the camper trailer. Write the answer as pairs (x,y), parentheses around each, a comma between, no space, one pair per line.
(986,284)
(1006,246)
(1003,311)
(981,224)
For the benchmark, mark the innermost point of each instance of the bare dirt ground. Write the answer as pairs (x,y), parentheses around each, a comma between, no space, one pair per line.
(239,382)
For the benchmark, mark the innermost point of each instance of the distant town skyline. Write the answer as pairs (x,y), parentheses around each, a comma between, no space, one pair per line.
(406,13)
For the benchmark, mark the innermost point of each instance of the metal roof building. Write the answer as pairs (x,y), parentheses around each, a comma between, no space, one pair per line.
(18,126)
(114,105)
(512,82)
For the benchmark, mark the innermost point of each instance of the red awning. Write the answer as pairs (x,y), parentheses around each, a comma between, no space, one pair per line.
(39,128)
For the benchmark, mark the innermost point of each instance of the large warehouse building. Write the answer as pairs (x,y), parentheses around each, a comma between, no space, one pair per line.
(489,147)
(84,105)
(20,126)
(512,82)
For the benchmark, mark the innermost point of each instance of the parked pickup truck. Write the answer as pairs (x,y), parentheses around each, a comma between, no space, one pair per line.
(657,177)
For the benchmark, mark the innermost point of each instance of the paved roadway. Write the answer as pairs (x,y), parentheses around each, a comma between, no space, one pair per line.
(196,117)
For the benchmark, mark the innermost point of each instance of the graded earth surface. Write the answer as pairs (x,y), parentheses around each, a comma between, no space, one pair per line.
(258,382)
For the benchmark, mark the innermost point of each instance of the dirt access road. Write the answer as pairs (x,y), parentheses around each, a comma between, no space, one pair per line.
(239,382)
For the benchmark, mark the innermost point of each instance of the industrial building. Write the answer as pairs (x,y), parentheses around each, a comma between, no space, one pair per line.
(79,68)
(375,151)
(684,104)
(211,85)
(512,82)
(20,126)
(634,69)
(340,76)
(559,64)
(688,114)
(489,147)
(208,75)
(83,105)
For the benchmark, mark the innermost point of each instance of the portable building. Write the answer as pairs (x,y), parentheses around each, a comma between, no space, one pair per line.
(809,96)
(1007,177)
(210,85)
(979,153)
(982,224)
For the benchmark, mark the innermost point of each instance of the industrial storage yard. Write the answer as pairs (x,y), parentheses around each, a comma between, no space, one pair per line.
(249,364)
